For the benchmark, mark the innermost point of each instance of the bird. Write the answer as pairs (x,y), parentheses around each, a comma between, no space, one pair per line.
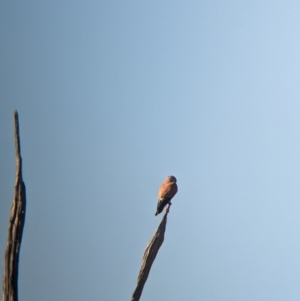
(166,192)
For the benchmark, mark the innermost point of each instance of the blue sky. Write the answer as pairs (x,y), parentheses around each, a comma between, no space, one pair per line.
(112,97)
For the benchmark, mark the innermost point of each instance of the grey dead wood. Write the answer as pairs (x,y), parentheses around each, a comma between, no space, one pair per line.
(149,256)
(15,227)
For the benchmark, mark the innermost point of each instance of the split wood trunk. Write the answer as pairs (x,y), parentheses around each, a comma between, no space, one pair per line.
(15,227)
(149,257)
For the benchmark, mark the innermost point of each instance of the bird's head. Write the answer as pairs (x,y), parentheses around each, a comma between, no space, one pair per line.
(171,179)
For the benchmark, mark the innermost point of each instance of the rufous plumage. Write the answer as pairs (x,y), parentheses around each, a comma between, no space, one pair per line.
(166,192)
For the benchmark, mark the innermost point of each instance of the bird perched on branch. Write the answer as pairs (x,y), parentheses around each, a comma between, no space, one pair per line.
(166,192)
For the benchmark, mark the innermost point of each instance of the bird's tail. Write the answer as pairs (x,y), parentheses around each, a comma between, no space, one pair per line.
(161,204)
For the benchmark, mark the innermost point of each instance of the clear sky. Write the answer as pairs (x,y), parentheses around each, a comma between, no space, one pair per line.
(113,96)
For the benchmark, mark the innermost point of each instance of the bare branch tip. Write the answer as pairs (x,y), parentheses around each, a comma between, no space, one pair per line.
(16,116)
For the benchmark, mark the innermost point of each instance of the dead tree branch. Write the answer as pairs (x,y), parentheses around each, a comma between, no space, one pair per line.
(15,227)
(149,256)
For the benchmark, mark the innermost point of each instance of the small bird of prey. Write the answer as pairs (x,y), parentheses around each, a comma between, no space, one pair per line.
(166,192)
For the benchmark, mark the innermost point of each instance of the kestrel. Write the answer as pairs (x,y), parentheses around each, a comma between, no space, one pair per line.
(166,192)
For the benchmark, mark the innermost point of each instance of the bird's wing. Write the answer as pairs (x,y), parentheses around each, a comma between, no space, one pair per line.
(168,189)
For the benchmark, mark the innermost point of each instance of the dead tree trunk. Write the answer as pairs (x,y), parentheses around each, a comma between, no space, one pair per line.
(149,256)
(15,227)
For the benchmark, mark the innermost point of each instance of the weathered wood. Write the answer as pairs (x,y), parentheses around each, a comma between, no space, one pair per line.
(15,227)
(149,256)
